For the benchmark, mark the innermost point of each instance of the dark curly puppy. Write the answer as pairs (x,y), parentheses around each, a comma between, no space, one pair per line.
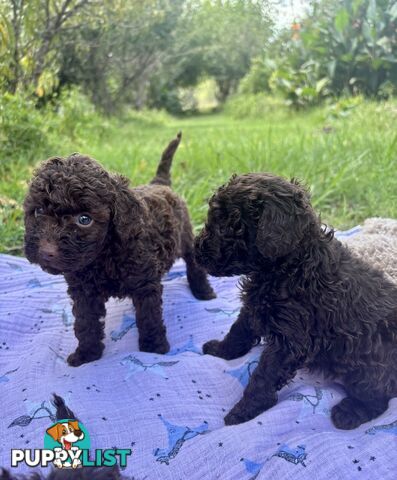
(110,240)
(316,304)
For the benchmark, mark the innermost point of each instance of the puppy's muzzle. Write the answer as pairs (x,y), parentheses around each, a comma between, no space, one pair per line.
(48,251)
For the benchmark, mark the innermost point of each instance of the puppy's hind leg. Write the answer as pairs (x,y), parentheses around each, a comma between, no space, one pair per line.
(351,412)
(196,275)
(367,398)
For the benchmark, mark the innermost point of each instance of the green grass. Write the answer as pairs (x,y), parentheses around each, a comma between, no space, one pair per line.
(350,166)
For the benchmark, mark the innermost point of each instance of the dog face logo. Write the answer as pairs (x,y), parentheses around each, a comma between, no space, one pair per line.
(66,433)
(67,438)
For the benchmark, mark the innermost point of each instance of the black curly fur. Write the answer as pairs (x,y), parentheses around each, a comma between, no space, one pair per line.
(317,305)
(133,240)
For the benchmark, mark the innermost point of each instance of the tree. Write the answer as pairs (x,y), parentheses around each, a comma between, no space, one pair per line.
(35,27)
(219,39)
(136,52)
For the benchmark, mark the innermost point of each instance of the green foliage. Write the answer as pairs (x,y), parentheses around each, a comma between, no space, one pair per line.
(75,115)
(340,48)
(128,53)
(239,30)
(258,105)
(162,95)
(145,118)
(301,87)
(257,79)
(23,128)
(344,107)
(355,43)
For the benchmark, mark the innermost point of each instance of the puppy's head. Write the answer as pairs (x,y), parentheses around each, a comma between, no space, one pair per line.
(254,220)
(69,209)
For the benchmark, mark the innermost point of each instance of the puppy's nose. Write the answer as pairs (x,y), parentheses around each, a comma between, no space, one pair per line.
(48,251)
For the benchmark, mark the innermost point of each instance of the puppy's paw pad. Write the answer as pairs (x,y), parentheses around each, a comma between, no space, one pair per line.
(344,415)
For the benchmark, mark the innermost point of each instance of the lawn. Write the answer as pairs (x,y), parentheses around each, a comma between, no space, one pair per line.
(349,162)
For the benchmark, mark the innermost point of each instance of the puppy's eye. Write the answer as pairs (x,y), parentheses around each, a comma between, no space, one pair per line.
(38,211)
(84,220)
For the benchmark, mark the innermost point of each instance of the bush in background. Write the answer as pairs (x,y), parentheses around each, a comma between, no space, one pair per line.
(23,128)
(341,48)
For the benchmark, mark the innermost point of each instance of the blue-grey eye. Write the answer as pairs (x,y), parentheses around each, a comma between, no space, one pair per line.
(38,211)
(84,219)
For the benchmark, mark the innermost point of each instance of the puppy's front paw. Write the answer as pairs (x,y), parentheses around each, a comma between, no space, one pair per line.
(246,410)
(235,417)
(212,347)
(161,347)
(205,293)
(84,356)
(216,348)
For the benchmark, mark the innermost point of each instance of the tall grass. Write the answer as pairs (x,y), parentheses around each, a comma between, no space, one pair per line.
(347,158)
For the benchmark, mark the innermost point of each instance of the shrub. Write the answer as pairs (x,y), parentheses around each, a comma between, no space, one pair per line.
(343,107)
(257,79)
(301,87)
(76,115)
(23,127)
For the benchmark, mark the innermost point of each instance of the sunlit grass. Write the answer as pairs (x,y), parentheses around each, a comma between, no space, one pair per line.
(349,163)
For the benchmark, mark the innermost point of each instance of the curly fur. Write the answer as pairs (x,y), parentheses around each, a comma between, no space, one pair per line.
(133,240)
(316,304)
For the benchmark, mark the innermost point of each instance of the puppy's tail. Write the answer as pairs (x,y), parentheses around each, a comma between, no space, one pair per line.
(62,410)
(163,174)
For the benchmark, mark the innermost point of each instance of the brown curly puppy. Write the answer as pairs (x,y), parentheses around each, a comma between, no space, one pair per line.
(315,303)
(110,240)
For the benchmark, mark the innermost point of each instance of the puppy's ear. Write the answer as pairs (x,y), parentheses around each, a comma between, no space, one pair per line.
(54,431)
(283,225)
(127,213)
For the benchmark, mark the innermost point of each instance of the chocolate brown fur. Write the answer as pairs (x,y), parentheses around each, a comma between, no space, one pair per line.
(133,239)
